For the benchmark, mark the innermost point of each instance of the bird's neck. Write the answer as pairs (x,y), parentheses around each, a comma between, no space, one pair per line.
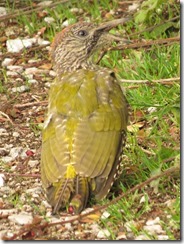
(62,67)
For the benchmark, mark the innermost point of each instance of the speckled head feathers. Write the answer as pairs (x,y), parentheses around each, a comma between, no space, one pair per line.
(72,48)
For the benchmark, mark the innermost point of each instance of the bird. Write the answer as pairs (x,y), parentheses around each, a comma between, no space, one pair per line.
(84,130)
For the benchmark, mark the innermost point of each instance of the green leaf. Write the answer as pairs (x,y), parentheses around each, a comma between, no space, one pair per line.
(161,29)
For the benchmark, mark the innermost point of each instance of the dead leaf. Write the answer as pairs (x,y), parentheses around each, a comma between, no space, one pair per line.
(46,66)
(42,31)
(135,127)
(91,218)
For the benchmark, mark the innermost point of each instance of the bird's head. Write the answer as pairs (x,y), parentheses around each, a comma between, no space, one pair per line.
(73,47)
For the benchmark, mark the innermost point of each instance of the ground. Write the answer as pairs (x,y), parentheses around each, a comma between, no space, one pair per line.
(149,212)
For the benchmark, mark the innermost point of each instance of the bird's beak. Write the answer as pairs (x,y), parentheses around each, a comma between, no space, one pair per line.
(106,27)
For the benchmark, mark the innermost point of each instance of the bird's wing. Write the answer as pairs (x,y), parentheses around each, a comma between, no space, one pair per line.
(85,129)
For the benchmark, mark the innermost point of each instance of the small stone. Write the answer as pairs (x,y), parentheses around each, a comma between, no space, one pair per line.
(133,7)
(105,215)
(32,81)
(16,68)
(68,22)
(3,11)
(3,132)
(162,237)
(141,237)
(52,73)
(128,225)
(15,134)
(34,190)
(49,20)
(152,110)
(17,151)
(2,176)
(6,190)
(11,73)
(46,204)
(10,31)
(8,146)
(130,236)
(41,42)
(142,199)
(76,10)
(103,234)
(169,203)
(44,3)
(29,76)
(6,62)
(33,163)
(95,228)
(6,212)
(68,226)
(3,151)
(5,234)
(20,89)
(35,195)
(21,219)
(153,229)
(153,221)
(17,45)
(32,61)
(47,84)
(31,71)
(7,159)
(121,237)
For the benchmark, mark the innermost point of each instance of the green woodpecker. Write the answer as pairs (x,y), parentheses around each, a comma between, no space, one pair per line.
(85,127)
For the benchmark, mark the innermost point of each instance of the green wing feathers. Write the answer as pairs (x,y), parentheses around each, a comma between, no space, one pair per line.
(82,138)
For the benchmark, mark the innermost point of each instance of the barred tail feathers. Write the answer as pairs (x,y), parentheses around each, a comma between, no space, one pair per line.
(80,198)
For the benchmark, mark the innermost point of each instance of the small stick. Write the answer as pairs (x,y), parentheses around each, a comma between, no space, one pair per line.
(149,81)
(30,104)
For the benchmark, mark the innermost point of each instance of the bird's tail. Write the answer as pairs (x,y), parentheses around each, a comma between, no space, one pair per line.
(59,193)
(80,197)
(72,190)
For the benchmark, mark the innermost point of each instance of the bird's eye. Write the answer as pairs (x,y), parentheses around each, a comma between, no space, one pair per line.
(82,33)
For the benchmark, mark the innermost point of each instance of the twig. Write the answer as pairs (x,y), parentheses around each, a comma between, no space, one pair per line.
(30,104)
(23,175)
(162,81)
(146,44)
(147,151)
(36,9)
(6,116)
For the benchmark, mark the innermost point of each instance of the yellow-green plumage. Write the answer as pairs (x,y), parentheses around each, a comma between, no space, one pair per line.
(82,137)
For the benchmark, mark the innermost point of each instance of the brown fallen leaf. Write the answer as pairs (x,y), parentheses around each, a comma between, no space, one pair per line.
(135,127)
(91,218)
(46,66)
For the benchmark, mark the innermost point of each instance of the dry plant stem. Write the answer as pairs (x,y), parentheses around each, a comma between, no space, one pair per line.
(23,175)
(162,81)
(24,11)
(170,40)
(30,104)
(7,117)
